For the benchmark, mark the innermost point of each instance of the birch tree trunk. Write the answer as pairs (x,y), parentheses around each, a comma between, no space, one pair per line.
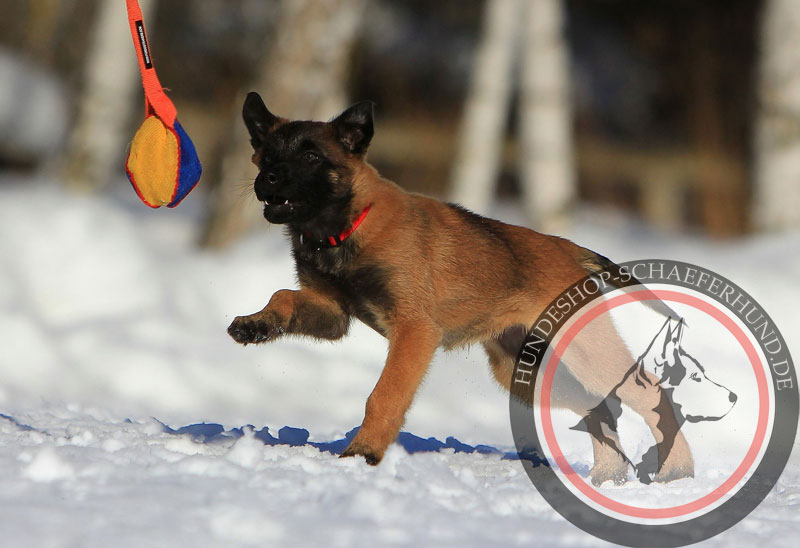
(777,143)
(477,159)
(303,76)
(43,22)
(97,142)
(546,151)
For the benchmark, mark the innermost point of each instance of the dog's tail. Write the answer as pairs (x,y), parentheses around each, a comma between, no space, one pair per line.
(619,277)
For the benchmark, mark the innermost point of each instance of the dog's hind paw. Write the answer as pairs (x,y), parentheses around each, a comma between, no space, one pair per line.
(674,473)
(600,475)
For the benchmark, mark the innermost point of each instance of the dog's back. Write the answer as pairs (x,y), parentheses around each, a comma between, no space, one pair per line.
(473,276)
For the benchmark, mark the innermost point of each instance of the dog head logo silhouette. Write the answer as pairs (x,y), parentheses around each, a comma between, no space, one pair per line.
(694,396)
(687,394)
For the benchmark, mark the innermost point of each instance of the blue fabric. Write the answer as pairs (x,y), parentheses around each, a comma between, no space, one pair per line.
(190,168)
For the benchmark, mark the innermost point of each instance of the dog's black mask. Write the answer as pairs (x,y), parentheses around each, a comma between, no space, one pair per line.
(306,168)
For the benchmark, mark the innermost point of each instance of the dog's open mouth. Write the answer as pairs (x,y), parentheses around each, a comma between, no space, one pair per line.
(277,203)
(280,209)
(278,200)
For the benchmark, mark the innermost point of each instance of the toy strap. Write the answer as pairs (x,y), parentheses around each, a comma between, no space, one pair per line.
(155,100)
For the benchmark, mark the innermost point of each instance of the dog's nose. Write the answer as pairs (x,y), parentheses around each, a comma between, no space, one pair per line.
(732,397)
(263,186)
(271,178)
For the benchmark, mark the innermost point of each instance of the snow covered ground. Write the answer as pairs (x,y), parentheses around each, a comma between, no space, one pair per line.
(112,332)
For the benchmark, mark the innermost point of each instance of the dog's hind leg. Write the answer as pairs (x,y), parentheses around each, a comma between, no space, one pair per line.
(610,464)
(569,394)
(670,458)
(502,351)
(599,358)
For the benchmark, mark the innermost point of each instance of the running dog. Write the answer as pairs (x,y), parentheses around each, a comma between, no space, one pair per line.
(423,273)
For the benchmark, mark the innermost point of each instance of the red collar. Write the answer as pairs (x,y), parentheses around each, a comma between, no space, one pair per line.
(334,241)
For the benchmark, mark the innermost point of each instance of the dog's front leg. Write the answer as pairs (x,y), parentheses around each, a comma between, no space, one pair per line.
(411,347)
(303,312)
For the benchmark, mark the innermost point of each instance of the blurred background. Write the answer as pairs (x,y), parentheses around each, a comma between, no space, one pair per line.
(683,114)
(638,129)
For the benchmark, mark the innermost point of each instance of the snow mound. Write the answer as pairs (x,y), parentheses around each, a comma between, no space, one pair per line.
(110,316)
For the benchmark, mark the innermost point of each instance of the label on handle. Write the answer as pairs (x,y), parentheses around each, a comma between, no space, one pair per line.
(148,63)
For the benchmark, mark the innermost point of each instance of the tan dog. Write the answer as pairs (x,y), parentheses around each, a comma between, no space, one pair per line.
(423,273)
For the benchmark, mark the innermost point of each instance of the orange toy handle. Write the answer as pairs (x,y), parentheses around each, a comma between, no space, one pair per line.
(155,100)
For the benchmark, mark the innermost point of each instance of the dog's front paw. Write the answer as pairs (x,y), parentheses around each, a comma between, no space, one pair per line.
(372,457)
(256,328)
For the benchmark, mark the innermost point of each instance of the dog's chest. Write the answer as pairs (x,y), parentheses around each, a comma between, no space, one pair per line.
(323,261)
(365,289)
(367,292)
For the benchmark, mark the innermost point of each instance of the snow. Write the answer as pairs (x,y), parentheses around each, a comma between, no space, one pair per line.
(129,418)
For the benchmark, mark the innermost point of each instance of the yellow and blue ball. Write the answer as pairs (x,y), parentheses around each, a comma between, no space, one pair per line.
(162,163)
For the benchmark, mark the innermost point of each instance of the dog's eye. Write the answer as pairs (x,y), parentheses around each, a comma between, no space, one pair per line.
(310,157)
(695,377)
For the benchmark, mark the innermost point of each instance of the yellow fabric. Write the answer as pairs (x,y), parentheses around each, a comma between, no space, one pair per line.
(153,162)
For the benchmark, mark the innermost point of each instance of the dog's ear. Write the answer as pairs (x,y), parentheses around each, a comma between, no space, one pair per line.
(257,118)
(672,341)
(660,350)
(354,127)
(677,333)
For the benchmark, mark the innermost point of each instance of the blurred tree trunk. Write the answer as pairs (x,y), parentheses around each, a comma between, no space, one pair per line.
(43,20)
(97,141)
(777,143)
(715,190)
(486,109)
(304,76)
(546,155)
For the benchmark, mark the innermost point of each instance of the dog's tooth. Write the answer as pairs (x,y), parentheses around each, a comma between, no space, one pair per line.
(302,238)
(286,202)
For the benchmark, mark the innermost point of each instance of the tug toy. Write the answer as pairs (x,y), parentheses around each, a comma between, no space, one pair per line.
(162,163)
